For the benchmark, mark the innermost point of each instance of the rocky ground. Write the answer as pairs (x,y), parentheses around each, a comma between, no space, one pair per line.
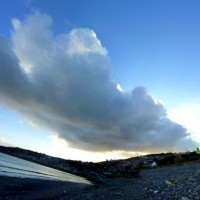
(166,183)
(173,182)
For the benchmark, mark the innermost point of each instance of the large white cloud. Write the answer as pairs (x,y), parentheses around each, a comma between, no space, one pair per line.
(63,82)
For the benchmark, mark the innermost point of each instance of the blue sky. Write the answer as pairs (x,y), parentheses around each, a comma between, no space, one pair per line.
(143,38)
(154,44)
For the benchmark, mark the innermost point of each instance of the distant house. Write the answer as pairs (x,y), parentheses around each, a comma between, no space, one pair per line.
(153,164)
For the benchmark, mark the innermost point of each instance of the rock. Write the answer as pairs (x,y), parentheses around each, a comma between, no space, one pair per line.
(184,198)
(168,182)
(191,179)
(173,180)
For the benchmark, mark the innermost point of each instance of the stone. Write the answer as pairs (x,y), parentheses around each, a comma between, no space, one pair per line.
(184,198)
(191,179)
(173,180)
(168,182)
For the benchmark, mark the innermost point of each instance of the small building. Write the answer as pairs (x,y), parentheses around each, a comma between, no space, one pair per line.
(153,164)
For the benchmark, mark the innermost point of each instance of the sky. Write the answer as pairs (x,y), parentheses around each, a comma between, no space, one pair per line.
(94,80)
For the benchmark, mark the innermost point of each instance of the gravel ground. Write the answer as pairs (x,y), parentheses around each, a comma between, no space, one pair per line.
(114,189)
(12,188)
(176,183)
(166,183)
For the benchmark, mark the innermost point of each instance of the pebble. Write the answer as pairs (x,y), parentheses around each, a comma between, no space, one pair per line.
(168,182)
(184,198)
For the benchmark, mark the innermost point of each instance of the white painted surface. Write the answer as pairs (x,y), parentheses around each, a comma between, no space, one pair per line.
(16,167)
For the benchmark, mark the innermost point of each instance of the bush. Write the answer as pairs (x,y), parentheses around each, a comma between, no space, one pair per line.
(179,159)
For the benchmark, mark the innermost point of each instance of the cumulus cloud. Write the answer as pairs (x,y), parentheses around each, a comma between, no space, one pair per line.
(62,82)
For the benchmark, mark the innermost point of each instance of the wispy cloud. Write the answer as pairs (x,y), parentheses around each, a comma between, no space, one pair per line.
(4,142)
(62,82)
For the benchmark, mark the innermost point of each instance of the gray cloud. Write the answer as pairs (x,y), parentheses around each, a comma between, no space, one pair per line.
(63,83)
